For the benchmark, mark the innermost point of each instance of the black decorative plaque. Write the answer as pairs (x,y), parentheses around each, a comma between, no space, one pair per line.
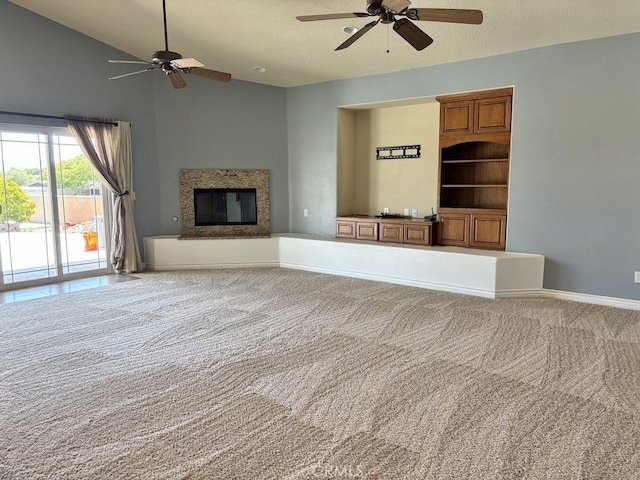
(395,153)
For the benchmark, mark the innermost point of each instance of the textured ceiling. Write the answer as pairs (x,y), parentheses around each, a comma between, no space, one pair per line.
(235,36)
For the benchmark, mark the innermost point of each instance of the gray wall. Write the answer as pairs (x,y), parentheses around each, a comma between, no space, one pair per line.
(216,125)
(47,68)
(575,178)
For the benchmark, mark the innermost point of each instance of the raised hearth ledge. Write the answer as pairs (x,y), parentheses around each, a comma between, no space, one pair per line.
(489,274)
(213,237)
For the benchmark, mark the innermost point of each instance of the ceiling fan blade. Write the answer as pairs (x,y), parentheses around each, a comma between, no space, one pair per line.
(132,73)
(351,40)
(134,62)
(176,80)
(450,15)
(412,34)
(210,74)
(331,16)
(186,63)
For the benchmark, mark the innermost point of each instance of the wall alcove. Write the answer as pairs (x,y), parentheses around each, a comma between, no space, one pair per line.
(463,170)
(367,186)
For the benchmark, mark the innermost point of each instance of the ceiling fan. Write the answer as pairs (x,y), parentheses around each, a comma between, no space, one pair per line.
(399,13)
(172,63)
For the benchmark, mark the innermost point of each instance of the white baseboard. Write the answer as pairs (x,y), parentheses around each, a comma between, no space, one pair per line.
(592,299)
(524,293)
(394,280)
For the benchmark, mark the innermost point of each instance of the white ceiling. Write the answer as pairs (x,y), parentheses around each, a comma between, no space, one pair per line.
(234,36)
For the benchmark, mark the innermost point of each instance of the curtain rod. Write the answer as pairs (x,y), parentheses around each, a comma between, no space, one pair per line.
(56,117)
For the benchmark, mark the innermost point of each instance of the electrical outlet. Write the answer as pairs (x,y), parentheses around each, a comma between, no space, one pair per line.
(385,210)
(305,212)
(636,277)
(414,213)
(406,212)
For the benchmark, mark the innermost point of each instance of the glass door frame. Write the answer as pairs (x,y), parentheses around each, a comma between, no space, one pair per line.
(53,199)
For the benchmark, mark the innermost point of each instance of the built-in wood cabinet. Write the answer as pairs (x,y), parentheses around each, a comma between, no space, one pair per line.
(487,231)
(367,230)
(346,228)
(418,234)
(456,118)
(454,229)
(462,228)
(492,115)
(475,144)
(394,230)
(476,113)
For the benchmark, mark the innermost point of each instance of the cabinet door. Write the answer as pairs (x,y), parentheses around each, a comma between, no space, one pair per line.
(391,232)
(492,115)
(456,118)
(345,229)
(417,234)
(453,229)
(488,231)
(367,230)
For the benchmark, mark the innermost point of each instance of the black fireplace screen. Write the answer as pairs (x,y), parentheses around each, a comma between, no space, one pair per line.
(225,206)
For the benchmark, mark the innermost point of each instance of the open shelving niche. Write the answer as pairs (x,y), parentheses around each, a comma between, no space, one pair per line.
(475,174)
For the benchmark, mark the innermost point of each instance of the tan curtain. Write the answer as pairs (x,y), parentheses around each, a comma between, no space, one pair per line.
(108,148)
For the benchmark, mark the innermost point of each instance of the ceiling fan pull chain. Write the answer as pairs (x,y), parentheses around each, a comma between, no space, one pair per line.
(388,34)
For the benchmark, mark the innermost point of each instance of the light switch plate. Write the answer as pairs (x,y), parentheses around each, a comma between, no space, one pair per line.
(636,277)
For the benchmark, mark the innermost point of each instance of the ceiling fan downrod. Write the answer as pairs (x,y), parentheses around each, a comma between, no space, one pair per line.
(164,18)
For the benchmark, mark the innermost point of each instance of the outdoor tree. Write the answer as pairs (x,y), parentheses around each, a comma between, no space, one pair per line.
(15,204)
(21,176)
(75,173)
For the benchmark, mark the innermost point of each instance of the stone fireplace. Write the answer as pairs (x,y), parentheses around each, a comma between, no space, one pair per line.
(242,194)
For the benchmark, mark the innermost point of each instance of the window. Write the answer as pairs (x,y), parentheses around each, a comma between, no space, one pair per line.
(52,222)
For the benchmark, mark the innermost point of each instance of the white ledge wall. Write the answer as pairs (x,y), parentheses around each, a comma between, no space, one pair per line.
(472,272)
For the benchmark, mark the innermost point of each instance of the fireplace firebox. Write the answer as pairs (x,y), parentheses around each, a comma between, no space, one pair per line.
(225,206)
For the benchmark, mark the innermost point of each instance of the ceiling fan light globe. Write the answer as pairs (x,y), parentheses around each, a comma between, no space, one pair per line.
(396,6)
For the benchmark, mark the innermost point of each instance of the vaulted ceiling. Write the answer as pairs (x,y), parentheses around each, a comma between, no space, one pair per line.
(236,36)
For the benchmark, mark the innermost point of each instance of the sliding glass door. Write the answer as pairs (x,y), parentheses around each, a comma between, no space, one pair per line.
(52,222)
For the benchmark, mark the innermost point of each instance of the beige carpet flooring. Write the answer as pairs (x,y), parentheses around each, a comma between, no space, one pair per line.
(274,373)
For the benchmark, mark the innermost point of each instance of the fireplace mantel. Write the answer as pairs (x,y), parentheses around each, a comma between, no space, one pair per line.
(191,179)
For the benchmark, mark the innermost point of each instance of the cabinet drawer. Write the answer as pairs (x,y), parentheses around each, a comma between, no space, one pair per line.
(488,231)
(417,234)
(345,229)
(391,232)
(492,115)
(453,229)
(367,230)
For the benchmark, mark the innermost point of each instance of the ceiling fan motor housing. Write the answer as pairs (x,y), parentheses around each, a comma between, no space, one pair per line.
(387,17)
(165,56)
(374,7)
